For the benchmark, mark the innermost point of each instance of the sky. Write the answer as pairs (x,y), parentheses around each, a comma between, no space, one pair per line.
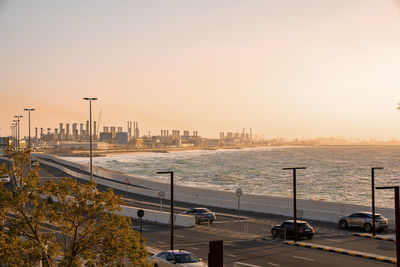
(288,68)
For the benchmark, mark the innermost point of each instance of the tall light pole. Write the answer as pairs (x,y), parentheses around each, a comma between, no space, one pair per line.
(373,196)
(172,209)
(18,120)
(90,133)
(294,201)
(396,215)
(29,123)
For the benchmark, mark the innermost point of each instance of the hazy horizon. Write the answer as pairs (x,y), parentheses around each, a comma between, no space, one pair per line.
(311,68)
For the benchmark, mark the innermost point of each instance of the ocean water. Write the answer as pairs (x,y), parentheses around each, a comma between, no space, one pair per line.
(333,173)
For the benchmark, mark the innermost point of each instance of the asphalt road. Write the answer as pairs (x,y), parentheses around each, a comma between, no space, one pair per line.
(247,237)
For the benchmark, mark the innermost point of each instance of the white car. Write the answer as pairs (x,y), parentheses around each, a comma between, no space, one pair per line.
(176,258)
(4,178)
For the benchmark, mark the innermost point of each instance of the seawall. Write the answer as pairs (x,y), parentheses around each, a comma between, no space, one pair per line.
(306,209)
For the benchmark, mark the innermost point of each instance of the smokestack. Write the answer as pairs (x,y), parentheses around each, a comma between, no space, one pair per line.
(87,128)
(36,133)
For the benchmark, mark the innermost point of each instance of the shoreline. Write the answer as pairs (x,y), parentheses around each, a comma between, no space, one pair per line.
(121,151)
(101,153)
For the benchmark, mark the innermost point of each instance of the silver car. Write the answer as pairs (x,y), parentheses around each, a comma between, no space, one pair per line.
(176,258)
(363,220)
(4,178)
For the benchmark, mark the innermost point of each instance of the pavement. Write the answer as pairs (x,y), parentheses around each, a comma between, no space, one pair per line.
(338,250)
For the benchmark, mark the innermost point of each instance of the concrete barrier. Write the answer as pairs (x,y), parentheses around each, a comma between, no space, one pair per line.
(158,217)
(307,209)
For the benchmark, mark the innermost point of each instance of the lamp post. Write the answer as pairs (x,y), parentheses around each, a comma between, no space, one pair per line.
(90,133)
(294,201)
(29,123)
(373,196)
(396,215)
(18,120)
(172,208)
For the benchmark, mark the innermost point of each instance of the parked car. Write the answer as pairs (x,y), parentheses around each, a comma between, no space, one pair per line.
(303,228)
(202,215)
(363,220)
(4,178)
(181,258)
(35,163)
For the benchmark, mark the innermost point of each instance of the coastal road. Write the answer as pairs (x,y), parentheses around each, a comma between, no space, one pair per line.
(247,237)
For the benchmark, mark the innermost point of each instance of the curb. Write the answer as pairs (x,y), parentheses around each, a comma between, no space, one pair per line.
(343,251)
(374,237)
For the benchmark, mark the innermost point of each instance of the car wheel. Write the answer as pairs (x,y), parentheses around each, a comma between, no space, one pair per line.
(155,265)
(274,233)
(309,237)
(343,224)
(197,221)
(368,227)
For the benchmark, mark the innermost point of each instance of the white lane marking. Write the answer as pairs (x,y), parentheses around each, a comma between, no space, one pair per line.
(302,258)
(194,248)
(273,264)
(161,242)
(230,255)
(181,236)
(227,244)
(246,264)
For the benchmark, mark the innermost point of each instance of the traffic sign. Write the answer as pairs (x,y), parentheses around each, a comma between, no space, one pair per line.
(140,213)
(239,192)
(161,194)
(126,181)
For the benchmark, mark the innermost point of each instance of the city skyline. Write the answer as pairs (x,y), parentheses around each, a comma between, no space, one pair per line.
(290,69)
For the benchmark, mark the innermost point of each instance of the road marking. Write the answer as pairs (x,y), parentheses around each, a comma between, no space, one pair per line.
(227,244)
(246,264)
(194,248)
(181,236)
(230,255)
(161,242)
(273,264)
(302,258)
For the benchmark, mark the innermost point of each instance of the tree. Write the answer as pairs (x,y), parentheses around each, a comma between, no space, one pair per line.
(63,223)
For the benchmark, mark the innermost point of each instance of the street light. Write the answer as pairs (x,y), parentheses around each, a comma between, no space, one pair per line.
(90,134)
(172,208)
(29,119)
(396,215)
(294,201)
(373,196)
(18,120)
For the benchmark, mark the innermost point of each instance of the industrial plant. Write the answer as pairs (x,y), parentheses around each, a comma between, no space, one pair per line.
(76,136)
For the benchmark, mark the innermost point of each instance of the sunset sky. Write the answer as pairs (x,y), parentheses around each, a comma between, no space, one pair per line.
(288,68)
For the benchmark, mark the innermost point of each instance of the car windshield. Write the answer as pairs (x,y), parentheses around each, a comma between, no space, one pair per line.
(203,210)
(186,258)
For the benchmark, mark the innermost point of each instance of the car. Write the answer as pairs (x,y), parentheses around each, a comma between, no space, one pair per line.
(201,215)
(363,219)
(35,163)
(304,229)
(4,178)
(181,258)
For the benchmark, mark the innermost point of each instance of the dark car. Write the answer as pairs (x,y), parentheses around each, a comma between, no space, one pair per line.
(363,220)
(304,229)
(202,215)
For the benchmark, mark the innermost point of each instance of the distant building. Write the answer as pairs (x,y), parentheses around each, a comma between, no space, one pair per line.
(122,138)
(106,137)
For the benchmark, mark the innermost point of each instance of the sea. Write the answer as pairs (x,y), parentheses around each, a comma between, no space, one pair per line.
(333,173)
